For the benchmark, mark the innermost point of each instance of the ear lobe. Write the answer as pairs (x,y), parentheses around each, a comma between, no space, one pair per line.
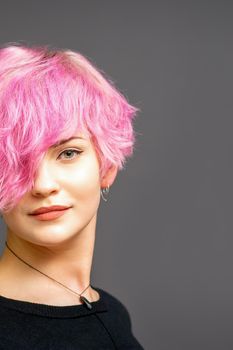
(109,176)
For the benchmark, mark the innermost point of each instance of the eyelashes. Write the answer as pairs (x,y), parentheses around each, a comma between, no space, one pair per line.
(70,151)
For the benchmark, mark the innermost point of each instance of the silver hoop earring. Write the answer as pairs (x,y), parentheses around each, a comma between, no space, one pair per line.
(104,193)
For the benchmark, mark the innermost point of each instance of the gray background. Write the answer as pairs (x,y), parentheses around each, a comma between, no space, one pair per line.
(164,238)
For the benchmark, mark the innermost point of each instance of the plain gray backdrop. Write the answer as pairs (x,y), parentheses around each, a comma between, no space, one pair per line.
(164,239)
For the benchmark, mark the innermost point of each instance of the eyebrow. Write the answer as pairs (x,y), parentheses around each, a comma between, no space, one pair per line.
(64,141)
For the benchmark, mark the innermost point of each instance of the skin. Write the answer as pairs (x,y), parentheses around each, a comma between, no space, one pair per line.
(62,248)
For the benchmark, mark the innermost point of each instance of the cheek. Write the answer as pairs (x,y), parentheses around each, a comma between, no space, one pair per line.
(14,220)
(86,180)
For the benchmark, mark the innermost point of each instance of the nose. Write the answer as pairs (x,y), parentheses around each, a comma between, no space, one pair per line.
(45,182)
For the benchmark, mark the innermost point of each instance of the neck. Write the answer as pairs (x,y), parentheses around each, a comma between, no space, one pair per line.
(68,262)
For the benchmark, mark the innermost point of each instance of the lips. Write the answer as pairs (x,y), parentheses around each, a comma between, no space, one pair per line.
(42,210)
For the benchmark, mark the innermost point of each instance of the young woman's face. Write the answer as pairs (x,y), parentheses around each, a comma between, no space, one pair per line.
(68,176)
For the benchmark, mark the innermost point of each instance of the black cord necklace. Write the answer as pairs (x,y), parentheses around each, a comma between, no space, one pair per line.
(84,300)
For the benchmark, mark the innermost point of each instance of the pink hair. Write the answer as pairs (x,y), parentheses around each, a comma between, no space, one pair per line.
(49,95)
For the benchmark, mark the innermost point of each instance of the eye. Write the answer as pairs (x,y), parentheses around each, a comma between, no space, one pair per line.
(70,152)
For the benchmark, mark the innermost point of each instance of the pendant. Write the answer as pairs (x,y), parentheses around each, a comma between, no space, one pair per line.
(86,302)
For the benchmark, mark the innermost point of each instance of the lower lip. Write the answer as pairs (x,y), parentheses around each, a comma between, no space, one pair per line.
(51,215)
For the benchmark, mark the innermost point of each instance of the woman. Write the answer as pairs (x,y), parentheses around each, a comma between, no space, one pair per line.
(65,131)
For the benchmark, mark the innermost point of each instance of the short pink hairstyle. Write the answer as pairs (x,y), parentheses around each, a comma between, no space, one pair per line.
(48,95)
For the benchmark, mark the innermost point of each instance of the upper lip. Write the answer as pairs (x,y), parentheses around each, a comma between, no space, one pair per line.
(47,209)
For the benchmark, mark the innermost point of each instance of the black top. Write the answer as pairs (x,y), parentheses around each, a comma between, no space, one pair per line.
(31,326)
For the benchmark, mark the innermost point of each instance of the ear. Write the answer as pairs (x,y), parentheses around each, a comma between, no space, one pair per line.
(109,176)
